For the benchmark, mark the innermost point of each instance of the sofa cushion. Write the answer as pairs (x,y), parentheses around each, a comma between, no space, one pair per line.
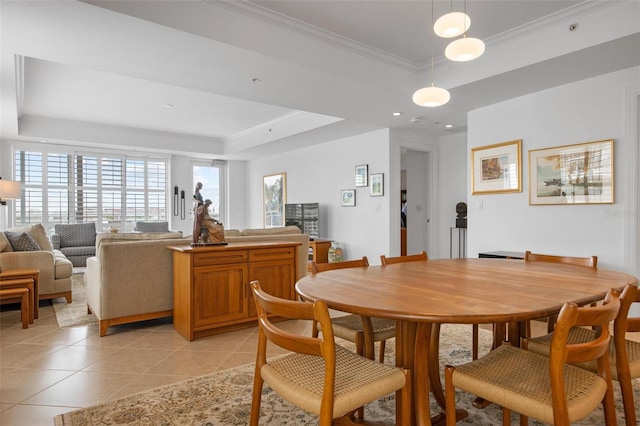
(79,251)
(21,241)
(109,237)
(76,234)
(5,245)
(38,233)
(232,233)
(291,229)
(152,226)
(63,266)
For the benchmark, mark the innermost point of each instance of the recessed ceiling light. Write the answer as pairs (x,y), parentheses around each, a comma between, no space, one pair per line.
(168,105)
(448,126)
(396,114)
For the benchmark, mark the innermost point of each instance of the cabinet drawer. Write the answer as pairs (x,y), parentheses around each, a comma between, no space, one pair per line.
(273,253)
(222,257)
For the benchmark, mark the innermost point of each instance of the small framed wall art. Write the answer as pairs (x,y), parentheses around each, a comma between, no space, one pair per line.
(572,174)
(497,168)
(377,184)
(348,198)
(362,175)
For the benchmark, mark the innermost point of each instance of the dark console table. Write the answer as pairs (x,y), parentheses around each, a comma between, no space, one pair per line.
(502,255)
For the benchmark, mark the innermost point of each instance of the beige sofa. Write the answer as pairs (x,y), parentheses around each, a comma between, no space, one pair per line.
(130,278)
(285,233)
(55,269)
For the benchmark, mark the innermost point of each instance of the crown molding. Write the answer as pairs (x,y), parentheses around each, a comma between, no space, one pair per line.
(304,29)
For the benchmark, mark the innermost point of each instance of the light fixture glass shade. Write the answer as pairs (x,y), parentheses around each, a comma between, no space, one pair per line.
(452,24)
(464,49)
(9,189)
(431,96)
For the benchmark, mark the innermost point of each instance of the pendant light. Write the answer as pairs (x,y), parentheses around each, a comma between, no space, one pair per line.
(452,24)
(465,48)
(431,96)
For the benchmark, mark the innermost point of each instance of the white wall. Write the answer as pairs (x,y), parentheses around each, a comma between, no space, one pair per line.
(589,110)
(317,174)
(452,154)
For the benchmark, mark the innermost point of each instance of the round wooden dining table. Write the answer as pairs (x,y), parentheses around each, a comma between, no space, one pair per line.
(424,294)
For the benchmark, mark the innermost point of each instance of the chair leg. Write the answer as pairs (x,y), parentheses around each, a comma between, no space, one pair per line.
(256,399)
(474,343)
(449,396)
(360,351)
(506,416)
(624,378)
(524,420)
(382,348)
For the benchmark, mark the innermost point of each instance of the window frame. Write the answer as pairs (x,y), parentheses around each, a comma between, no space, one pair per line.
(145,174)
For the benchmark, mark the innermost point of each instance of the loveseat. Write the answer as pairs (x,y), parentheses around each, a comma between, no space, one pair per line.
(130,278)
(55,269)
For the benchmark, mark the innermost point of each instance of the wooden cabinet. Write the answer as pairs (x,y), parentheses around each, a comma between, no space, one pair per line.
(318,251)
(211,292)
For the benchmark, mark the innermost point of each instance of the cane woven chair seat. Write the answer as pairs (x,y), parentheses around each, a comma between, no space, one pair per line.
(317,375)
(528,391)
(299,379)
(346,327)
(541,345)
(351,327)
(548,388)
(624,354)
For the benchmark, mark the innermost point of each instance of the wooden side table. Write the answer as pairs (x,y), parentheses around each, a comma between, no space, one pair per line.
(9,289)
(319,251)
(31,273)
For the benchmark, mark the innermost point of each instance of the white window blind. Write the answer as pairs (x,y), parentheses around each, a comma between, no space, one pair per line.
(64,187)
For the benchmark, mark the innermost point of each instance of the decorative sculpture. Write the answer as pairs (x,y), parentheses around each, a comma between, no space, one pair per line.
(206,230)
(461,219)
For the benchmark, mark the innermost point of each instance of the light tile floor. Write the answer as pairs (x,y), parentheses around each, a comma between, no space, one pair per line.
(46,370)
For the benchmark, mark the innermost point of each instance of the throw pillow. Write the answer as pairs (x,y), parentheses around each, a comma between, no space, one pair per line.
(38,233)
(5,245)
(22,241)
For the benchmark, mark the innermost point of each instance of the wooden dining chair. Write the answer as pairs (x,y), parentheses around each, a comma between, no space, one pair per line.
(624,354)
(401,259)
(591,262)
(319,376)
(549,389)
(353,327)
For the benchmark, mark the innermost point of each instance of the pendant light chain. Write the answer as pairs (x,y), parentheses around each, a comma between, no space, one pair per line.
(431,37)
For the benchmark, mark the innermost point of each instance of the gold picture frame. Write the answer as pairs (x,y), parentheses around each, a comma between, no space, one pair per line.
(572,174)
(274,197)
(497,168)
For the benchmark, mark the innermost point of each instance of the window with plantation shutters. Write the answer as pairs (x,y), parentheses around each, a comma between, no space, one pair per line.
(111,190)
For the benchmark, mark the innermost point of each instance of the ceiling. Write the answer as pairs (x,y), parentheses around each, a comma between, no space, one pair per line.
(241,79)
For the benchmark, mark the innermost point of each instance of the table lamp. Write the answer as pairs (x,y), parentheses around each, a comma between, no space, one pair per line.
(9,190)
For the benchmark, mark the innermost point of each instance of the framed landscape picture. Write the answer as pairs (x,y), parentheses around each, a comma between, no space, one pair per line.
(362,175)
(377,184)
(348,197)
(274,196)
(572,174)
(497,168)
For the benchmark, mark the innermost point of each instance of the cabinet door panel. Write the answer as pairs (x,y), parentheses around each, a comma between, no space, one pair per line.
(277,277)
(220,294)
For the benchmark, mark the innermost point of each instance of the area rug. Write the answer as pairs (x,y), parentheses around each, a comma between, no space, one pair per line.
(74,314)
(224,398)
